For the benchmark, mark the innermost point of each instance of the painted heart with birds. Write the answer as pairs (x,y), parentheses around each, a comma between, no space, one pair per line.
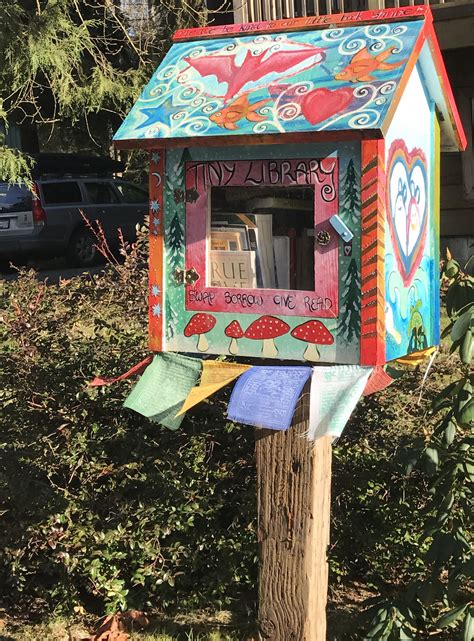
(407,206)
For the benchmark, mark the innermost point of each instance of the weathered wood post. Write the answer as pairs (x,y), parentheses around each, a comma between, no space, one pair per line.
(293,493)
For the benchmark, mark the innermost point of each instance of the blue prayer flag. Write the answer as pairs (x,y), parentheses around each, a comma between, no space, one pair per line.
(267,396)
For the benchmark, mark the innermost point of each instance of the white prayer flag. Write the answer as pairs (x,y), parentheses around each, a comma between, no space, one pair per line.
(335,390)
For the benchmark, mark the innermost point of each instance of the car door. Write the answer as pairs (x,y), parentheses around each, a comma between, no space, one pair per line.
(62,200)
(134,206)
(103,205)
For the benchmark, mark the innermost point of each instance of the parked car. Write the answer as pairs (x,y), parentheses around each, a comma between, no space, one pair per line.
(47,221)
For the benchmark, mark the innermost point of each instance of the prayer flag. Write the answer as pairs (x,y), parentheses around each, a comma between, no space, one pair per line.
(378,381)
(267,396)
(135,370)
(163,388)
(214,376)
(335,390)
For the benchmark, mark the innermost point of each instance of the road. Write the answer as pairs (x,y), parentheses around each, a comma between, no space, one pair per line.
(53,271)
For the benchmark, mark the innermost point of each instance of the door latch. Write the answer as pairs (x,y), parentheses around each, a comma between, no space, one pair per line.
(185,276)
(341,228)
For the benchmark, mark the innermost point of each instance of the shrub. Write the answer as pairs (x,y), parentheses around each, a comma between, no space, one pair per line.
(100,507)
(103,510)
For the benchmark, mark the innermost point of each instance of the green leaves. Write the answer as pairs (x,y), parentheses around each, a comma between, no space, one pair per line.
(451,617)
(78,65)
(469,625)
(466,351)
(14,167)
(452,269)
(462,324)
(103,509)
(440,581)
(432,459)
(460,294)
(463,405)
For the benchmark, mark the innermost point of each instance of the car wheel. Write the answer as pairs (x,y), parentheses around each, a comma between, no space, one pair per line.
(82,250)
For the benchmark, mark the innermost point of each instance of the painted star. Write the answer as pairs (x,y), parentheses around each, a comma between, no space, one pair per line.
(155,157)
(154,206)
(155,221)
(155,290)
(151,117)
(156,310)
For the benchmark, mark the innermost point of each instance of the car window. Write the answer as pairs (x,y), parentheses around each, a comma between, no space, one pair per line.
(101,193)
(60,193)
(14,198)
(131,194)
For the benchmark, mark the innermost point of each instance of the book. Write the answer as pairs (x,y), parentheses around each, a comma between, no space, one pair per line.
(264,239)
(229,238)
(290,233)
(281,252)
(305,261)
(258,237)
(233,269)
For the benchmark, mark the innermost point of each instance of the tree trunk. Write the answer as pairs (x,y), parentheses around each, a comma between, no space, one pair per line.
(293,485)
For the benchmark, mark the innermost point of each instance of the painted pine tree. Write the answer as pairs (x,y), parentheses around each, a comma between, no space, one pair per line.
(175,253)
(350,206)
(175,244)
(170,319)
(349,323)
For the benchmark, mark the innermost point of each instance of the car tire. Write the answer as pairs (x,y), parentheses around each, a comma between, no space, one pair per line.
(82,250)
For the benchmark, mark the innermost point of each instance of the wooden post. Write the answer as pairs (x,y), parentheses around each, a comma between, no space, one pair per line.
(293,486)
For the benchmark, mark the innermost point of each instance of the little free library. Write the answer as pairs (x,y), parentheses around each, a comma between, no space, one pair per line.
(294,213)
(294,190)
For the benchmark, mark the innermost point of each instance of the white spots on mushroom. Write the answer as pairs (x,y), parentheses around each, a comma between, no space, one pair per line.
(314,333)
(200,324)
(234,331)
(266,329)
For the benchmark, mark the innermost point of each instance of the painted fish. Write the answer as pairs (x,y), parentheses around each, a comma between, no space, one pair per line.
(363,64)
(229,116)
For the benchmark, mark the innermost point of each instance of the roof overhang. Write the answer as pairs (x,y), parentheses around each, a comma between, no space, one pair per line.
(221,85)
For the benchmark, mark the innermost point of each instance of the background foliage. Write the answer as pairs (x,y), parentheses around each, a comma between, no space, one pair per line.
(71,69)
(99,506)
(102,510)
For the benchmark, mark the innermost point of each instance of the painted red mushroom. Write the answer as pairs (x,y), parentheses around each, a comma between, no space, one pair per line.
(200,324)
(314,333)
(266,329)
(234,331)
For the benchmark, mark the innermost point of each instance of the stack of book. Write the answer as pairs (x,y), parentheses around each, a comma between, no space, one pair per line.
(252,251)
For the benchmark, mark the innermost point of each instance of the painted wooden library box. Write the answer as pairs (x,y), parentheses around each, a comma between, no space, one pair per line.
(294,187)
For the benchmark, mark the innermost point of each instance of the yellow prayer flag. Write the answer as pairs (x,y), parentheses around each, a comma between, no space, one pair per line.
(214,376)
(415,358)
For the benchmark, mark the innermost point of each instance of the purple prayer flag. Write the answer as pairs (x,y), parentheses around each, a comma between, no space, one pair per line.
(267,396)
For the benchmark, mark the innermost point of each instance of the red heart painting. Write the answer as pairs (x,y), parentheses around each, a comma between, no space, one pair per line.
(320,104)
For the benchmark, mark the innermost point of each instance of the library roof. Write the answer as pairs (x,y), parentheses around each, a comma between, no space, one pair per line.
(215,84)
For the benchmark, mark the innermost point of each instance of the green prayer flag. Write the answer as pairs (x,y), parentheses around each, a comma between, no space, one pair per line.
(163,387)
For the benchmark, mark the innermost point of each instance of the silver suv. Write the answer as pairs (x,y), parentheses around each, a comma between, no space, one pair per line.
(47,222)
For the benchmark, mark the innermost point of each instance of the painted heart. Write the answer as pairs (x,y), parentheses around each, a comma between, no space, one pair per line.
(407,206)
(320,104)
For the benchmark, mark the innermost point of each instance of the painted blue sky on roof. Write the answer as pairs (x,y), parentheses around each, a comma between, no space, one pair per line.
(332,79)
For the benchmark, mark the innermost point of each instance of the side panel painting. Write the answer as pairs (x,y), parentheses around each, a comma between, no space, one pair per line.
(340,342)
(372,337)
(411,260)
(155,297)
